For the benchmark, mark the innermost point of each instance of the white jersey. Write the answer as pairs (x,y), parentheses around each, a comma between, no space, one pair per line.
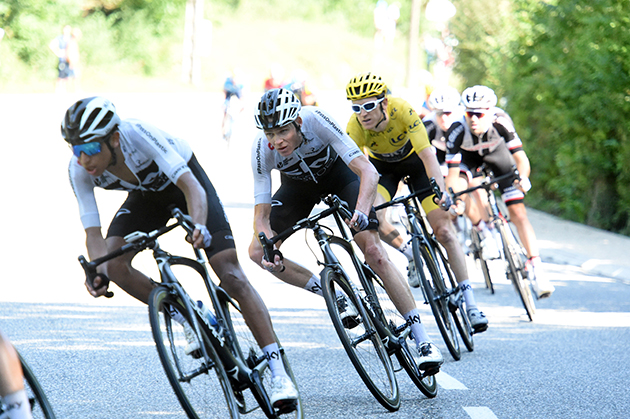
(156,158)
(324,141)
(436,135)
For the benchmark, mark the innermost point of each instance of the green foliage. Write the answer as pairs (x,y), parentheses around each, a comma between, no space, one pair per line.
(564,69)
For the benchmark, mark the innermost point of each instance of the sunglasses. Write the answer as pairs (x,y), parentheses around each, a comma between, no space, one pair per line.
(90,149)
(367,106)
(444,113)
(479,115)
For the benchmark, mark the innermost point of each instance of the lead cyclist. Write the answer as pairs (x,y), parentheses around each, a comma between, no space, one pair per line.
(158,171)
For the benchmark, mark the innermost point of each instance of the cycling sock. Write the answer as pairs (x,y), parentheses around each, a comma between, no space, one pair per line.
(406,250)
(17,405)
(314,285)
(469,296)
(272,353)
(417,328)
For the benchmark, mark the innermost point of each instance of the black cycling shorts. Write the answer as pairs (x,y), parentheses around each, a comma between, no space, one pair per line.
(147,211)
(393,173)
(295,199)
(500,161)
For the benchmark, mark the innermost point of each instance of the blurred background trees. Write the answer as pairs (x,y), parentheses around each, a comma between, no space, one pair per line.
(560,67)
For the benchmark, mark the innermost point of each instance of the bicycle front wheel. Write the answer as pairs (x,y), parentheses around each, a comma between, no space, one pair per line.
(438,297)
(40,406)
(201,385)
(515,270)
(398,327)
(361,341)
(245,346)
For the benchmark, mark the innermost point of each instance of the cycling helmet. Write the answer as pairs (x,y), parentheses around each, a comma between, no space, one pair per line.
(365,85)
(277,108)
(444,99)
(89,119)
(479,97)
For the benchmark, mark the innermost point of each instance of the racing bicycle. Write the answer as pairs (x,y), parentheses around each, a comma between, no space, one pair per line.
(511,251)
(440,289)
(228,365)
(379,331)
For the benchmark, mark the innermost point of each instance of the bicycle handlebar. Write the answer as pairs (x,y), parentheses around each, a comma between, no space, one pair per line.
(435,188)
(335,205)
(488,183)
(136,241)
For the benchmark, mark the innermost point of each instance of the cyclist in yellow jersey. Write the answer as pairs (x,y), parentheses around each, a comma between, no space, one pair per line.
(392,134)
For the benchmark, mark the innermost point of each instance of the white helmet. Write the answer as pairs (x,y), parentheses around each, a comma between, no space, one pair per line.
(445,99)
(479,97)
(277,108)
(88,119)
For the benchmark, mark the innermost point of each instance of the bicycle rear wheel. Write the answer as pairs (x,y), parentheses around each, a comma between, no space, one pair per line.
(362,343)
(40,406)
(437,296)
(399,328)
(245,345)
(515,269)
(201,386)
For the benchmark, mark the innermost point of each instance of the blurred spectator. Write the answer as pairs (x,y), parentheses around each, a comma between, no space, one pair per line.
(300,86)
(73,56)
(276,77)
(59,46)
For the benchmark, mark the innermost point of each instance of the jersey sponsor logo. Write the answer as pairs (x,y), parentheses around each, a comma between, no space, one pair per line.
(179,169)
(395,141)
(455,132)
(414,127)
(152,138)
(330,121)
(276,203)
(270,146)
(228,237)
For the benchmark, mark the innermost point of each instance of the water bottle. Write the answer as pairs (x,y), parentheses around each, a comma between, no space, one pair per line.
(209,315)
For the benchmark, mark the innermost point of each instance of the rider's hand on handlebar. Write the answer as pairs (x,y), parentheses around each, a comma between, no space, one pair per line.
(524,184)
(445,202)
(276,267)
(359,221)
(201,237)
(98,290)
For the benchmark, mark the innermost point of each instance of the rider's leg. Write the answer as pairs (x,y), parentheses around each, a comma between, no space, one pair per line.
(390,234)
(120,271)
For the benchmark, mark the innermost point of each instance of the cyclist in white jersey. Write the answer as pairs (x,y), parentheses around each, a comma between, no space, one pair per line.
(159,171)
(316,157)
(486,134)
(14,403)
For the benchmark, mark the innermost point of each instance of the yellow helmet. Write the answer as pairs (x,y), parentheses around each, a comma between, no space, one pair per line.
(365,85)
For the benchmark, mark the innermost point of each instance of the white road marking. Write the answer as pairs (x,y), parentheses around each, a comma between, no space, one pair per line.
(449,383)
(481,412)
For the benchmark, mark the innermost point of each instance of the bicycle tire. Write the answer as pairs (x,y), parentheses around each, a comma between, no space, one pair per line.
(198,386)
(362,343)
(456,302)
(40,406)
(435,293)
(515,270)
(245,345)
(396,323)
(483,264)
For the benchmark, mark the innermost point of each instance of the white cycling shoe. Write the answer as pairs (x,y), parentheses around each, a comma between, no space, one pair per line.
(412,275)
(348,313)
(283,394)
(192,343)
(429,356)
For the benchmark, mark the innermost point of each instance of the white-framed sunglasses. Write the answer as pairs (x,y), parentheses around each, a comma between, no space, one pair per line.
(367,106)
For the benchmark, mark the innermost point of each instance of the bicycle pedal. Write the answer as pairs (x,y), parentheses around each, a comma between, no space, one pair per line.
(480,329)
(430,372)
(285,406)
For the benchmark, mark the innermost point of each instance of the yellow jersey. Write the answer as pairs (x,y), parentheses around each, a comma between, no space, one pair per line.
(404,134)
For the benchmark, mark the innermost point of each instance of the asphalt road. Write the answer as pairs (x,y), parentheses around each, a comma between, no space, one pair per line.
(96,358)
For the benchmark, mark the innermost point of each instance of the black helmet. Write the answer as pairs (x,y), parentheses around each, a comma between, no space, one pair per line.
(277,108)
(89,119)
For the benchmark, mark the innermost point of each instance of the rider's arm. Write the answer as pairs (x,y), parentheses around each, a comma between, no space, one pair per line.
(197,204)
(369,180)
